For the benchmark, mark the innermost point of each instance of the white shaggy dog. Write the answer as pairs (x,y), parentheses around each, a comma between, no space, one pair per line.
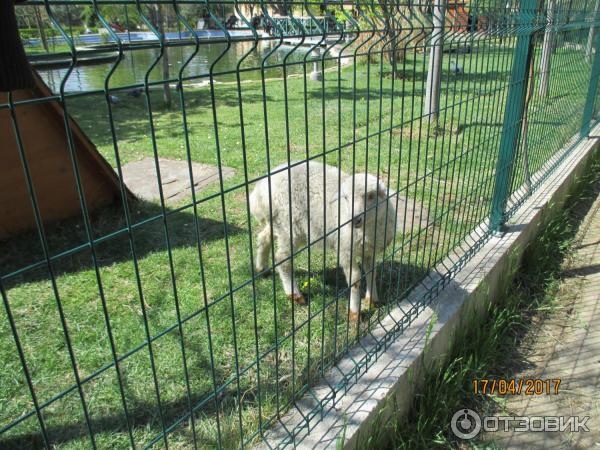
(323,201)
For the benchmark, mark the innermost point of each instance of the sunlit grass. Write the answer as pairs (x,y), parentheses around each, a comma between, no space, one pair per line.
(449,170)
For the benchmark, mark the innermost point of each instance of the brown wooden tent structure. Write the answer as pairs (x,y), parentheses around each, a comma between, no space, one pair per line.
(44,137)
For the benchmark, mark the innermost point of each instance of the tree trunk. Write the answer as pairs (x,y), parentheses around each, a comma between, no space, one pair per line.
(394,55)
(165,58)
(40,25)
(279,8)
(434,72)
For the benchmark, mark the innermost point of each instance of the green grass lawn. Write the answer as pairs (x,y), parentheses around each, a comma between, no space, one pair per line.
(495,349)
(449,170)
(40,50)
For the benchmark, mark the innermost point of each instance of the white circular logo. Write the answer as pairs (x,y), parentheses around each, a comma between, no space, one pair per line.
(465,424)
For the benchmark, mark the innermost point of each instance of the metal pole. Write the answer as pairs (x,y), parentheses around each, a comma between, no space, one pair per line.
(525,124)
(547,50)
(590,41)
(513,116)
(588,109)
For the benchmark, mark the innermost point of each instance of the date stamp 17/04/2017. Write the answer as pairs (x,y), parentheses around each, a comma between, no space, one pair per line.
(516,386)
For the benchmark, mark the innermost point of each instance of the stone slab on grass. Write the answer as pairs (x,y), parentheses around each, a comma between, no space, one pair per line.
(141,178)
(412,215)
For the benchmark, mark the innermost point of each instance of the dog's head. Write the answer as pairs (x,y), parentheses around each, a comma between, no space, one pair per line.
(363,197)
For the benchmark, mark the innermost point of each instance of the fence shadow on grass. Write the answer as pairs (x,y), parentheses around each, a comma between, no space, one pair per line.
(395,280)
(21,251)
(130,115)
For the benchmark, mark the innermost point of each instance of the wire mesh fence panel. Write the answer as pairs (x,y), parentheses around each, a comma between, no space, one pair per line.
(286,173)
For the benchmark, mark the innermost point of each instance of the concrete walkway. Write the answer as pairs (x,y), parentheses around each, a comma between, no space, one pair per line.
(566,346)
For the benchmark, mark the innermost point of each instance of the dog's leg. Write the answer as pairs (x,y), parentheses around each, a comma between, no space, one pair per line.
(284,268)
(352,272)
(263,248)
(371,298)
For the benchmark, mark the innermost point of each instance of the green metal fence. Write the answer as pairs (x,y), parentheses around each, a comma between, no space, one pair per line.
(146,323)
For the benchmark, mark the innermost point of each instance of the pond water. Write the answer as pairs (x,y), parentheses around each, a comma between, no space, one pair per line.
(135,63)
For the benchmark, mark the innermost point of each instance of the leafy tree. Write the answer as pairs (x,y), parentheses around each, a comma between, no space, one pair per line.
(122,14)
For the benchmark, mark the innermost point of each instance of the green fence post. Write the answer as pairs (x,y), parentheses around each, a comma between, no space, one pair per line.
(588,109)
(513,115)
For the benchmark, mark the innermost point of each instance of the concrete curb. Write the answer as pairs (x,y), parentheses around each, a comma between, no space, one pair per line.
(387,385)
